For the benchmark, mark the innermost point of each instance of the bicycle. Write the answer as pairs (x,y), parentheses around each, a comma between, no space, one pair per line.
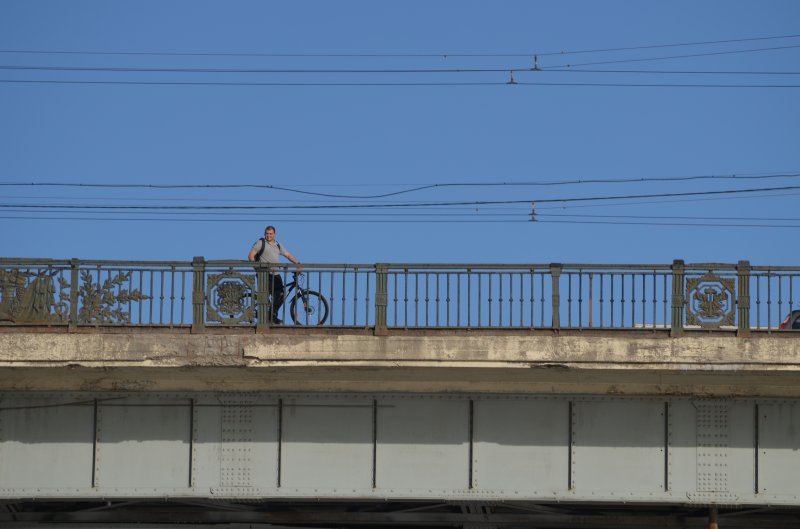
(306,306)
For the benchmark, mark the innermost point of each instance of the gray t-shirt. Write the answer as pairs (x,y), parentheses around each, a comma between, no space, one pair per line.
(272,252)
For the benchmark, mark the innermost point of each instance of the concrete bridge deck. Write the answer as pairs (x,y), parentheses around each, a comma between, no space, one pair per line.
(623,362)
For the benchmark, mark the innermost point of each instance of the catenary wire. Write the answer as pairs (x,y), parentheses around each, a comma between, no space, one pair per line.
(404,191)
(462,221)
(515,69)
(673,201)
(672,217)
(687,224)
(400,55)
(418,204)
(396,84)
(524,214)
(669,57)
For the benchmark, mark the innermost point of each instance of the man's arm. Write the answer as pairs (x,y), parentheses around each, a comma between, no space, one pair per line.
(291,257)
(252,255)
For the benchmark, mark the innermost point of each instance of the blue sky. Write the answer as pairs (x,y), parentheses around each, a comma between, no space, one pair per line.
(89,127)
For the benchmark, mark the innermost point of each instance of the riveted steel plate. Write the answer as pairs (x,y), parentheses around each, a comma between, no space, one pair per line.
(236,443)
(46,442)
(779,448)
(327,442)
(143,442)
(682,451)
(619,445)
(713,431)
(521,444)
(423,443)
(485,448)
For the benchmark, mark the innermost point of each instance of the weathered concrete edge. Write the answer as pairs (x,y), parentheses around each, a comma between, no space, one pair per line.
(238,349)
(610,363)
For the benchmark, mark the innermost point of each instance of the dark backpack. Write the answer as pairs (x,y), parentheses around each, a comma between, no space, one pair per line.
(263,247)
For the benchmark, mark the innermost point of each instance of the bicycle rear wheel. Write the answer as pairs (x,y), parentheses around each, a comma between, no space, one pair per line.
(309,308)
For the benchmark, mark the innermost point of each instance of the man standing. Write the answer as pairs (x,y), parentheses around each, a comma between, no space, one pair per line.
(268,250)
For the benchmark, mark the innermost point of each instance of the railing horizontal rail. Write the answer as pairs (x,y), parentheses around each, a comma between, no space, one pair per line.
(678,297)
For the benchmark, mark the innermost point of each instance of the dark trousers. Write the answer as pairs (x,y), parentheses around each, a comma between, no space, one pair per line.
(277,293)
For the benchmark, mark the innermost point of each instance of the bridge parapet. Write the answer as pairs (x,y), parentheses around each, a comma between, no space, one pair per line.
(204,294)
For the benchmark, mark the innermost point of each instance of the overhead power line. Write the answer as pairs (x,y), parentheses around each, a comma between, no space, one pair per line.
(401,205)
(669,57)
(395,55)
(393,84)
(546,183)
(688,224)
(361,71)
(403,221)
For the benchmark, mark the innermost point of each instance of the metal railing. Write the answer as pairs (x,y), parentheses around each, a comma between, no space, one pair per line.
(200,294)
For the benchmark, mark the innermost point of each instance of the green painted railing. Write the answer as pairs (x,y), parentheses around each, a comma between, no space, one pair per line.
(199,294)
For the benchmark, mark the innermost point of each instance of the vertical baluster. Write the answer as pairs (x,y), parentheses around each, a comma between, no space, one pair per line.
(395,298)
(510,299)
(769,299)
(344,296)
(416,299)
(532,278)
(366,301)
(437,274)
(141,289)
(500,299)
(580,298)
(183,296)
(332,278)
(541,299)
(569,299)
(654,300)
(780,297)
(521,299)
(602,323)
(666,318)
(447,299)
(611,301)
(130,300)
(622,300)
(644,301)
(405,301)
(480,299)
(633,300)
(427,297)
(355,296)
(591,299)
(161,298)
(458,299)
(758,301)
(469,298)
(172,295)
(489,310)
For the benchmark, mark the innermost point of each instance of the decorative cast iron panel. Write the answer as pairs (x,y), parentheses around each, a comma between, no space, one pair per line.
(710,301)
(32,297)
(105,302)
(230,297)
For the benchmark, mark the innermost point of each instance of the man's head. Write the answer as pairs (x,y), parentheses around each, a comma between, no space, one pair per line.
(269,233)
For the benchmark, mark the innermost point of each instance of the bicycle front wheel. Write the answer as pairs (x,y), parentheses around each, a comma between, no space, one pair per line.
(309,308)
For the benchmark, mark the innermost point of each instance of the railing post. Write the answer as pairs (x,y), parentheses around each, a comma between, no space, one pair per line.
(263,309)
(198,295)
(555,274)
(678,267)
(381,298)
(743,298)
(73,293)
